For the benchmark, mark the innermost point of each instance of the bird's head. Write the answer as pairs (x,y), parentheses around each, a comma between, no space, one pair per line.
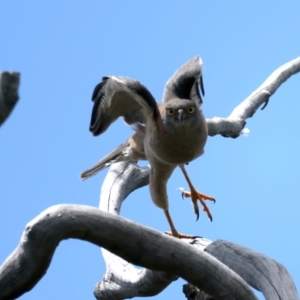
(181,113)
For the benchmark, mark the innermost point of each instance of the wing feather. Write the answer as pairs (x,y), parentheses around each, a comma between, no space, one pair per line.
(184,83)
(117,96)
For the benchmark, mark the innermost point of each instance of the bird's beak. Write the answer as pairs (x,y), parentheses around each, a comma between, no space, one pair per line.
(180,115)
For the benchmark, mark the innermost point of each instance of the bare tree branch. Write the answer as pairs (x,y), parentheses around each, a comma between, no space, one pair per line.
(121,180)
(193,293)
(123,281)
(232,126)
(259,271)
(137,244)
(9,84)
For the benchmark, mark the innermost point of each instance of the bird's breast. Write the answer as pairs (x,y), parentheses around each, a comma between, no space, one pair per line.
(179,145)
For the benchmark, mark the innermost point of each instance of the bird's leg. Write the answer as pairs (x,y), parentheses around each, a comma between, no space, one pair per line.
(174,232)
(159,175)
(195,195)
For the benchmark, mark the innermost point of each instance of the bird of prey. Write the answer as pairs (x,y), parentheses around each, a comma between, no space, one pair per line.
(168,135)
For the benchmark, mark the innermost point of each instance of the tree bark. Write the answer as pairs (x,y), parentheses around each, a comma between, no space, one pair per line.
(133,242)
(233,125)
(9,84)
(122,280)
(193,293)
(259,271)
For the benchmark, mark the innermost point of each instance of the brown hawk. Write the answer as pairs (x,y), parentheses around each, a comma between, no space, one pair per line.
(168,135)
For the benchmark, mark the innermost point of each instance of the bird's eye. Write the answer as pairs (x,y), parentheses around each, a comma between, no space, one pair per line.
(191,110)
(171,111)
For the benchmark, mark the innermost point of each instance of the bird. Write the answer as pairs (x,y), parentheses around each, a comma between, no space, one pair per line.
(169,134)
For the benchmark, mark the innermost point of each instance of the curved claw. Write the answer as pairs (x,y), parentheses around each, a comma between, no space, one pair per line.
(195,237)
(183,236)
(197,217)
(182,192)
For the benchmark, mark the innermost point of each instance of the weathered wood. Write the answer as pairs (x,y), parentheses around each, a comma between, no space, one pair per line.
(260,97)
(125,177)
(9,84)
(232,126)
(193,293)
(121,180)
(259,271)
(135,243)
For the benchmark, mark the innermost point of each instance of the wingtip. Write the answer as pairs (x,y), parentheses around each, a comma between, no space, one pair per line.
(197,59)
(200,61)
(201,84)
(83,176)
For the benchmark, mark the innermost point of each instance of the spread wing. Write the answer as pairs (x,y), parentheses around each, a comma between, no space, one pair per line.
(184,84)
(117,96)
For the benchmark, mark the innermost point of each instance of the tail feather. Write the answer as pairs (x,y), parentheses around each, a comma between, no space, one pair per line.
(115,156)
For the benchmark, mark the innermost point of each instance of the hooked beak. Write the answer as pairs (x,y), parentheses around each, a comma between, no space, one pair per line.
(180,115)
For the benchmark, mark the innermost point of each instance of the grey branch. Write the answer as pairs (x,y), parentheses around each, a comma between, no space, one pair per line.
(123,281)
(133,242)
(9,84)
(259,271)
(121,180)
(233,125)
(193,293)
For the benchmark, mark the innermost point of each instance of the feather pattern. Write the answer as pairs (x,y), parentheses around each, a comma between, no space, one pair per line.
(167,135)
(184,84)
(118,96)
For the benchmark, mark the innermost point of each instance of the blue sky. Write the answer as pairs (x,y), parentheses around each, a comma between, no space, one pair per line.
(63,48)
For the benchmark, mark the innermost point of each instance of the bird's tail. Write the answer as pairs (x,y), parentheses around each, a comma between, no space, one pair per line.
(115,156)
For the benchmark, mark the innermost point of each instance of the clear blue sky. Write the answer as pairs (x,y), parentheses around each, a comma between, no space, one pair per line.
(63,48)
